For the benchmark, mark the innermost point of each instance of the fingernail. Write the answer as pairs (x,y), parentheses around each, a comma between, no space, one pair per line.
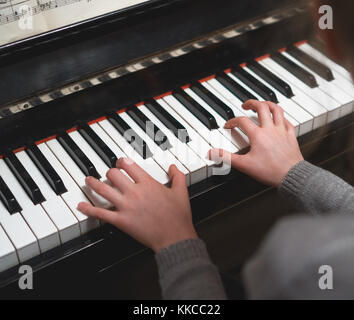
(89,179)
(128,161)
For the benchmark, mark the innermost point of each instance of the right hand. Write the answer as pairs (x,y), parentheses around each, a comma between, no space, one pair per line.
(274,147)
(153,214)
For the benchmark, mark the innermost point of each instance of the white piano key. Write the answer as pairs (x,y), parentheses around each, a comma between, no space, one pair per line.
(99,164)
(54,206)
(197,143)
(8,256)
(340,80)
(107,140)
(236,136)
(325,100)
(37,219)
(232,100)
(75,172)
(303,118)
(325,60)
(110,144)
(149,165)
(329,88)
(195,165)
(302,100)
(17,230)
(213,137)
(74,194)
(163,158)
(238,112)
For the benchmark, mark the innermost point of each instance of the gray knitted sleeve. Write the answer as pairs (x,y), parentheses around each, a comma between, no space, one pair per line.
(186,272)
(315,190)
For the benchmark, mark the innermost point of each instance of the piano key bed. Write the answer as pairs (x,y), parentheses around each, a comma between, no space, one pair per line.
(42,183)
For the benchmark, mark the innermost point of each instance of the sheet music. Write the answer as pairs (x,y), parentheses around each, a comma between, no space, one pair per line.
(20,19)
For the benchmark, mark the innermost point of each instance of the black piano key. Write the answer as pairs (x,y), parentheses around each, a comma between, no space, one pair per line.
(78,156)
(8,199)
(214,102)
(24,178)
(105,153)
(150,128)
(171,123)
(254,84)
(300,73)
(46,169)
(271,78)
(130,135)
(196,109)
(234,87)
(310,62)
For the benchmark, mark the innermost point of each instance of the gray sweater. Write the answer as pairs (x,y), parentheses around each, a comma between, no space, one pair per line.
(304,257)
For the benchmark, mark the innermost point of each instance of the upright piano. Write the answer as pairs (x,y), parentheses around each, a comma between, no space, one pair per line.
(68,96)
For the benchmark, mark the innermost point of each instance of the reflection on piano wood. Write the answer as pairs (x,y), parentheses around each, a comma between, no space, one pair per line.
(42,177)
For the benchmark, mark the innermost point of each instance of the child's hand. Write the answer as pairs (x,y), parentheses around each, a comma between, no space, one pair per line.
(153,214)
(274,147)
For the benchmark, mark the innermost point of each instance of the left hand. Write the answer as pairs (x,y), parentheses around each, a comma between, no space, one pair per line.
(274,147)
(153,214)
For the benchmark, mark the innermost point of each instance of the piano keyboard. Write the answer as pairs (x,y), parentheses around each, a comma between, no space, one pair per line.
(41,184)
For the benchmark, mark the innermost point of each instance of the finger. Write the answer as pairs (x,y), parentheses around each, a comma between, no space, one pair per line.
(104,190)
(132,169)
(277,112)
(239,162)
(262,109)
(178,179)
(119,180)
(245,124)
(289,127)
(105,215)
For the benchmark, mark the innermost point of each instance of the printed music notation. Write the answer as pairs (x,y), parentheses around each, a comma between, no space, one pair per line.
(44,15)
(12,10)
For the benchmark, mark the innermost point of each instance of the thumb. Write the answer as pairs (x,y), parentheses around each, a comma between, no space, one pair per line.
(178,179)
(238,162)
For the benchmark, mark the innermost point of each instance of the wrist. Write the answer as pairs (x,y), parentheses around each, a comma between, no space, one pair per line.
(171,240)
(286,171)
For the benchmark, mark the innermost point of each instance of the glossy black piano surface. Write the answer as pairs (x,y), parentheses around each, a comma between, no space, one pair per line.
(233,212)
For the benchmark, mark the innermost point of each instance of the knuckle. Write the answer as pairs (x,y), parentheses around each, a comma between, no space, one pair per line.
(263,106)
(242,119)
